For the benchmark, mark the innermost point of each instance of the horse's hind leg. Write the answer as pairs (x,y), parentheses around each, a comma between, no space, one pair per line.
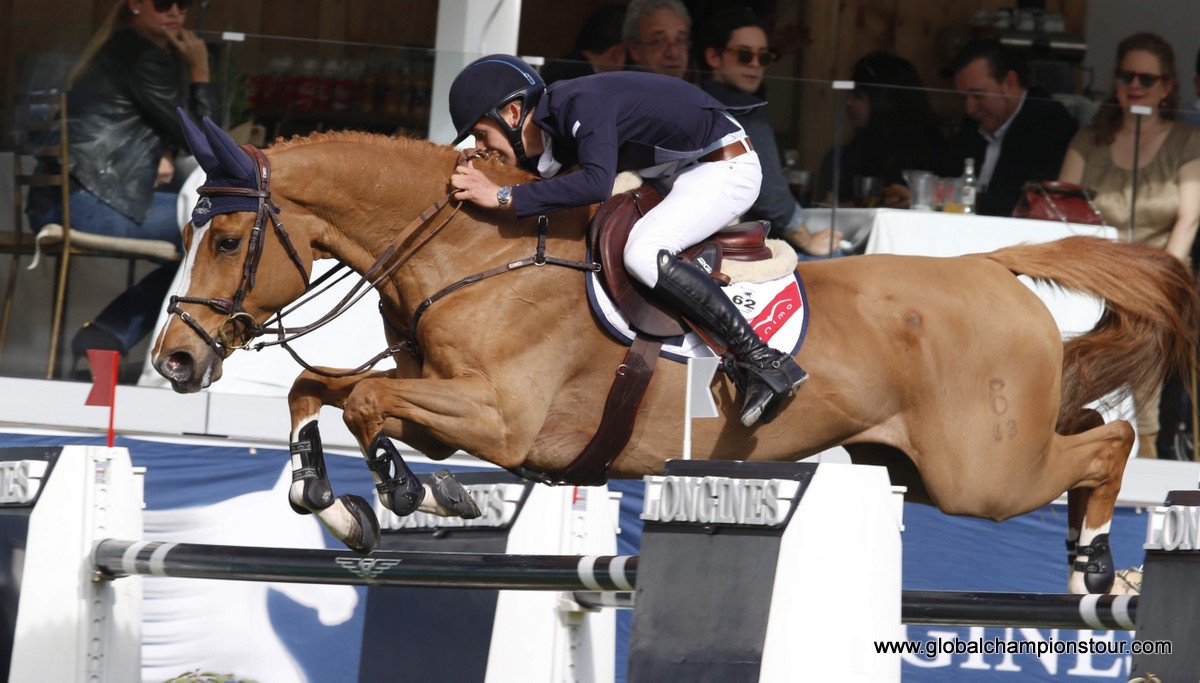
(1077,498)
(1098,456)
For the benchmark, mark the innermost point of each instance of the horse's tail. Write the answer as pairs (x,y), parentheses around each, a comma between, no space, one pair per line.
(1150,322)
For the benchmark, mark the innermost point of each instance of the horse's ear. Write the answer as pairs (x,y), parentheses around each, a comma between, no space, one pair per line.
(233,160)
(199,146)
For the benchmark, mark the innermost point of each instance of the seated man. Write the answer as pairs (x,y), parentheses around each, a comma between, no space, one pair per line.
(658,36)
(598,48)
(1015,134)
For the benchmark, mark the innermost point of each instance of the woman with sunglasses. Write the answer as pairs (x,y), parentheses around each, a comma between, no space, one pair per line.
(1101,158)
(123,135)
(733,47)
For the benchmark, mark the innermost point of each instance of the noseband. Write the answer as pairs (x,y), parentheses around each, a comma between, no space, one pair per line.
(239,324)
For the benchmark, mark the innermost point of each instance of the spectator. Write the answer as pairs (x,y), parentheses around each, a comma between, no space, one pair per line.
(1191,115)
(734,48)
(894,128)
(1014,133)
(1168,188)
(124,131)
(658,36)
(598,48)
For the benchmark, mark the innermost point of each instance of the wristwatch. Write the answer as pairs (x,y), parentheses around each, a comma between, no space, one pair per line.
(504,195)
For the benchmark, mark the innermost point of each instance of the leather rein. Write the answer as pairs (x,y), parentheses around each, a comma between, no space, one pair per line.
(239,324)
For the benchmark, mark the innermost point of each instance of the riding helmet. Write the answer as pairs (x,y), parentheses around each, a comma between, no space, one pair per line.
(485,86)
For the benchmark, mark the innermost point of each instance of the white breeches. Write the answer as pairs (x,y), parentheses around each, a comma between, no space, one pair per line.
(704,198)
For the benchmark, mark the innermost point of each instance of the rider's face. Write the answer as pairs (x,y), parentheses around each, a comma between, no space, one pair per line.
(489,137)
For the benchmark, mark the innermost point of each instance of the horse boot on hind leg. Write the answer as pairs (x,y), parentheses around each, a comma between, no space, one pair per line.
(348,517)
(766,377)
(1090,564)
(401,492)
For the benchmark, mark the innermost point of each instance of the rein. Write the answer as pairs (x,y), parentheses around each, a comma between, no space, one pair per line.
(241,325)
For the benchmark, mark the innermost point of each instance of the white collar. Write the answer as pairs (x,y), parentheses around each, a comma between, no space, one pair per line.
(547,165)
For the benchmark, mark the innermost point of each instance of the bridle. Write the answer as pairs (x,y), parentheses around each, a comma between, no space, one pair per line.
(239,324)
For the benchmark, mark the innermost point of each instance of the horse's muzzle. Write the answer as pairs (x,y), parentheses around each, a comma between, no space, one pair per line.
(187,374)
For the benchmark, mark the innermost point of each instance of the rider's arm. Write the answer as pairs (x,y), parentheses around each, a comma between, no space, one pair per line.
(594,129)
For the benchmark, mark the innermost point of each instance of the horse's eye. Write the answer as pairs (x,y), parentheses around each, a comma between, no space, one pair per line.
(228,245)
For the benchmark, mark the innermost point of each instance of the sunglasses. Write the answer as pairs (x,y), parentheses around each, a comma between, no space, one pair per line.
(745,56)
(1146,80)
(164,6)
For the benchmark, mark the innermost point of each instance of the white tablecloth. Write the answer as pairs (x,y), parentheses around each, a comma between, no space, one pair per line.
(930,233)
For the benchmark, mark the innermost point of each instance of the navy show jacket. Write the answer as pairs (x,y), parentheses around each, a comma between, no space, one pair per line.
(618,121)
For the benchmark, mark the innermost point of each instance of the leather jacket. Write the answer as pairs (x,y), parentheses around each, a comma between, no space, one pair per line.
(123,118)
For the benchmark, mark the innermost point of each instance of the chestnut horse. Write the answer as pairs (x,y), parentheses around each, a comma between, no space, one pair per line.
(948,371)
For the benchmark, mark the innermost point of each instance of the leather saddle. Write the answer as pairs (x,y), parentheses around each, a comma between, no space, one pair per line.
(609,231)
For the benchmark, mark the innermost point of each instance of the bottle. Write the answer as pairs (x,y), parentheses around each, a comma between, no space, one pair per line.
(969,184)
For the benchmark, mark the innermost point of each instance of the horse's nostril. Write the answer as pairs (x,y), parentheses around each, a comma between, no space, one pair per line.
(177,366)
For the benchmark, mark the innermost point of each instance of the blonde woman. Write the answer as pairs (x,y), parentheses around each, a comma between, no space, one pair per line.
(1100,157)
(124,130)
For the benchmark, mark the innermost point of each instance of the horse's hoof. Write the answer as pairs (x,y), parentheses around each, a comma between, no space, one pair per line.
(367,538)
(452,495)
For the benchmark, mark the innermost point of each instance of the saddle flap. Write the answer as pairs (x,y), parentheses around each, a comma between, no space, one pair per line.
(609,232)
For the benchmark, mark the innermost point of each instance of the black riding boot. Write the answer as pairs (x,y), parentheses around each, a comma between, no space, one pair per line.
(768,377)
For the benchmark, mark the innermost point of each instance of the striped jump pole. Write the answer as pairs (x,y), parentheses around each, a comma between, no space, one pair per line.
(1032,610)
(491,571)
(981,608)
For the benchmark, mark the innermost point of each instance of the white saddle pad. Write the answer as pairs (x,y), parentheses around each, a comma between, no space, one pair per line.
(776,309)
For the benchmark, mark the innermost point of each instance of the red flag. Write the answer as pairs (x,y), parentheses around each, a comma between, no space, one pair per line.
(104,377)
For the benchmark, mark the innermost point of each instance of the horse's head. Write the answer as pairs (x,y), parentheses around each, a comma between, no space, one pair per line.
(236,269)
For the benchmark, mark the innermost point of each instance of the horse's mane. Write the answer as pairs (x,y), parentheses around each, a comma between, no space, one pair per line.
(401,143)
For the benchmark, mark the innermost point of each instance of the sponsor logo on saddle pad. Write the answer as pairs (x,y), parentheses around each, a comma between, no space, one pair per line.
(1173,528)
(719,500)
(20,481)
(777,310)
(498,503)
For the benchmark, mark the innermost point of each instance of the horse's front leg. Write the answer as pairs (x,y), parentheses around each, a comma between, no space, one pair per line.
(350,518)
(463,410)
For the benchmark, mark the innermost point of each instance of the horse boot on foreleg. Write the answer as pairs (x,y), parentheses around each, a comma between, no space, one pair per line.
(348,517)
(401,492)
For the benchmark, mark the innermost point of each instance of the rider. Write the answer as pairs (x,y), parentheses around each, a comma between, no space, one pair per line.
(668,131)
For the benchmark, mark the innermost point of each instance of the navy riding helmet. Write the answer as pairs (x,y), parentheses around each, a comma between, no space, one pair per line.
(484,87)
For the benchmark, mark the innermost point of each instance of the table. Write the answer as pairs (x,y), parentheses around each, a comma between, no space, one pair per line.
(931,233)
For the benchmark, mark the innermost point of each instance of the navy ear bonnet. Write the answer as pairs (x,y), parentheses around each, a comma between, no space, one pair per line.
(489,83)
(225,164)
